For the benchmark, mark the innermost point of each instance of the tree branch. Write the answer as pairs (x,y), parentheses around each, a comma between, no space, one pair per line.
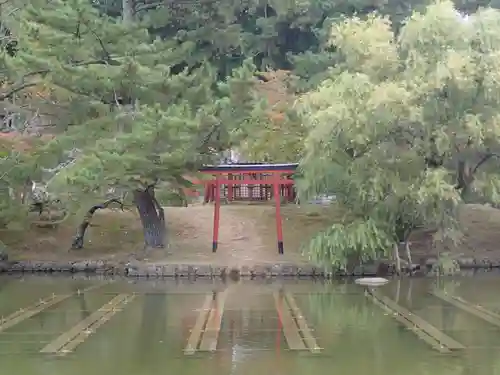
(21,85)
(143,7)
(482,161)
(15,90)
(466,174)
(91,62)
(82,228)
(107,55)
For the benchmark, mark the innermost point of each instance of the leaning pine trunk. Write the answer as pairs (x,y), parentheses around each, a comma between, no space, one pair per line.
(152,218)
(78,240)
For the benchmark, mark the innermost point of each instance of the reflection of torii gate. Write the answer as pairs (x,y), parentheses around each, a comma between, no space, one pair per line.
(238,181)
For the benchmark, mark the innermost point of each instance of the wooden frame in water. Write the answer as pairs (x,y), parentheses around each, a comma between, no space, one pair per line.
(69,340)
(295,328)
(424,330)
(477,311)
(205,333)
(23,314)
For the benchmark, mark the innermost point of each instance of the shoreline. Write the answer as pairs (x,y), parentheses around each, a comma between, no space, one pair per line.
(186,269)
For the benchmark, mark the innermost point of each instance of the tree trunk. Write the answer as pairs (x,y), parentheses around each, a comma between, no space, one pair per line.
(127,11)
(408,256)
(397,259)
(152,218)
(465,178)
(78,240)
(26,193)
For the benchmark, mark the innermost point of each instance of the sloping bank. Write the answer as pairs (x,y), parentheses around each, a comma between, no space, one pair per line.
(246,231)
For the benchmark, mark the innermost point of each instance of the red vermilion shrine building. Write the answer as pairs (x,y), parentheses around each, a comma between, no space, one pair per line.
(249,182)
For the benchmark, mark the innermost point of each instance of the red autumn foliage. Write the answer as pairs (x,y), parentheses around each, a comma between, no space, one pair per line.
(20,142)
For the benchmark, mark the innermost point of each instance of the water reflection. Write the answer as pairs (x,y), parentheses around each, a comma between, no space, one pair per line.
(78,291)
(149,335)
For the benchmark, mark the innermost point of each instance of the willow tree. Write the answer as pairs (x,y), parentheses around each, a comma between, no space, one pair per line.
(405,128)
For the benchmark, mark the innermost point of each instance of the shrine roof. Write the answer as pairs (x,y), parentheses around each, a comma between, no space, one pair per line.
(250,167)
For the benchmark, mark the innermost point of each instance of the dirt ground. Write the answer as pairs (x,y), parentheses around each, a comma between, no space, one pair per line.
(481,235)
(247,236)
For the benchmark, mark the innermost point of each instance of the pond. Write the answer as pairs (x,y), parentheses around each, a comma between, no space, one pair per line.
(59,326)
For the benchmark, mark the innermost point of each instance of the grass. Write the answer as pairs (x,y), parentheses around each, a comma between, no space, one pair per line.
(111,233)
(246,232)
(300,223)
(480,226)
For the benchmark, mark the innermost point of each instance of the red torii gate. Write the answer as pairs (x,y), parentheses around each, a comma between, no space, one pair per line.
(238,182)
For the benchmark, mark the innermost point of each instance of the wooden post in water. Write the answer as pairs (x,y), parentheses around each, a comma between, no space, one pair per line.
(301,322)
(290,328)
(28,312)
(424,330)
(197,330)
(477,311)
(69,340)
(211,334)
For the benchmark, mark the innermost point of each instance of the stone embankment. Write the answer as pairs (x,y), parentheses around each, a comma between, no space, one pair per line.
(267,270)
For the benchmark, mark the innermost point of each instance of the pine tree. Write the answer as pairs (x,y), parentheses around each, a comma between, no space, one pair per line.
(131,121)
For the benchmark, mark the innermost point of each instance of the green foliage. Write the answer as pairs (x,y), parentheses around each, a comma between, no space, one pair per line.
(405,128)
(274,134)
(14,169)
(401,125)
(157,146)
(169,198)
(360,239)
(132,121)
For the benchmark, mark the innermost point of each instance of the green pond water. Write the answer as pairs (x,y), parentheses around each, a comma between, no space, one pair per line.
(148,334)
